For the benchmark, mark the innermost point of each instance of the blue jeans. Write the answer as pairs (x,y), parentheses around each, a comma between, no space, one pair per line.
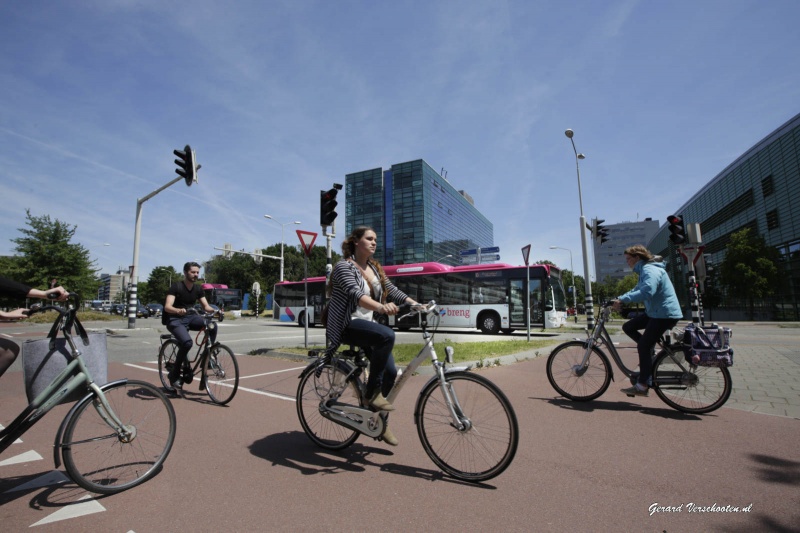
(646,342)
(179,327)
(377,342)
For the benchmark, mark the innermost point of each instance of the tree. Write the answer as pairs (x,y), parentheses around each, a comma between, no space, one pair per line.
(161,277)
(749,270)
(45,252)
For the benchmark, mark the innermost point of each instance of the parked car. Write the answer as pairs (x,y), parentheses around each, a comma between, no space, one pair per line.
(118,309)
(156,310)
(142,311)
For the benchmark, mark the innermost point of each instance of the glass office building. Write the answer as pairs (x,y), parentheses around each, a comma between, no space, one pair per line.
(759,190)
(418,215)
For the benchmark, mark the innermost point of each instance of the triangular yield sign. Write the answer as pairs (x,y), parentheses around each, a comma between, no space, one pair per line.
(307,239)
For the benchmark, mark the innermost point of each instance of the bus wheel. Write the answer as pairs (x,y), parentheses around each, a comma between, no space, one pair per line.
(489,323)
(383,320)
(301,320)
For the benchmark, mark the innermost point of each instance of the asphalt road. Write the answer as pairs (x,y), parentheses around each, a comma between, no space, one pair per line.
(614,464)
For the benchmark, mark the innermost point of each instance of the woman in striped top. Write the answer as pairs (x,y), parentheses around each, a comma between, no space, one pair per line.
(358,288)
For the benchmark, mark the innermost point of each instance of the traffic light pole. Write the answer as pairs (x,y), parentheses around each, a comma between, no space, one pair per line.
(587,281)
(133,296)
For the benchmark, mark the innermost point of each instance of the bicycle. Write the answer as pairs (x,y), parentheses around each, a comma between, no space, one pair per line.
(216,364)
(114,438)
(580,371)
(466,424)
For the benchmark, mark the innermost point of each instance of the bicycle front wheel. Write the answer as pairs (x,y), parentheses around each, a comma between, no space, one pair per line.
(103,460)
(315,390)
(166,360)
(689,388)
(221,374)
(574,380)
(487,441)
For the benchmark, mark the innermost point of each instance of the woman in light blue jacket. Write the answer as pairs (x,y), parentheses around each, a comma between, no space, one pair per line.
(661,306)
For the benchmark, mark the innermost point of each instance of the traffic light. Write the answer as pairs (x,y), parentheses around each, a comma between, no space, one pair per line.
(677,229)
(327,206)
(187,165)
(599,231)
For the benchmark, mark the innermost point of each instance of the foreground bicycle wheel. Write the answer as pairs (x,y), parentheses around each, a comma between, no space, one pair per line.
(489,441)
(100,460)
(314,390)
(221,373)
(166,359)
(689,388)
(574,381)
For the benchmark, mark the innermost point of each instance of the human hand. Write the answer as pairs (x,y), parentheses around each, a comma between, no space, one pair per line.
(57,293)
(15,315)
(616,305)
(389,309)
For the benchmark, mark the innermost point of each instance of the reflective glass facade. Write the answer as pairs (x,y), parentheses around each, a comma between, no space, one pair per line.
(418,215)
(760,190)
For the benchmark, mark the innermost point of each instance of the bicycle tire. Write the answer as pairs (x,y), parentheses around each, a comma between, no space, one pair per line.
(218,368)
(566,378)
(166,358)
(99,460)
(311,392)
(488,444)
(691,389)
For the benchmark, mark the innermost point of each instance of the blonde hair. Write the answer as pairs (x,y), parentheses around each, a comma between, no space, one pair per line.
(639,251)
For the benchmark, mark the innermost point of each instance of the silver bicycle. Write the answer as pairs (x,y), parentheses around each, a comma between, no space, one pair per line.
(466,424)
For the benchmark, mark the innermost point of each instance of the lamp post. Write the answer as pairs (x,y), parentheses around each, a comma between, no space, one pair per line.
(574,294)
(443,257)
(282,225)
(589,304)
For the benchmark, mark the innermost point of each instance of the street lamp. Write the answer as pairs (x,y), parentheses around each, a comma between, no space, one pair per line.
(282,227)
(574,294)
(443,257)
(589,304)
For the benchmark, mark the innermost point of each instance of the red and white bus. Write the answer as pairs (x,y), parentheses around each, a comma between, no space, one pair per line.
(222,296)
(491,297)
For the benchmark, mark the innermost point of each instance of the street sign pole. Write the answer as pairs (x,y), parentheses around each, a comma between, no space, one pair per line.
(526,252)
(307,239)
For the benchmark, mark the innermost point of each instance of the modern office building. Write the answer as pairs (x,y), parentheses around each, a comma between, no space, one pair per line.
(112,285)
(609,262)
(418,215)
(759,190)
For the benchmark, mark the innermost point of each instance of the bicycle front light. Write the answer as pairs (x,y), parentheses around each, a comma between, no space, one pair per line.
(449,354)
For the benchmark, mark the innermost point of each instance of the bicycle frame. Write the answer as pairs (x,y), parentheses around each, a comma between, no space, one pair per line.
(370,422)
(74,376)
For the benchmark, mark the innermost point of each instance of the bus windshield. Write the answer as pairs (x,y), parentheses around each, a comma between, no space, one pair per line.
(222,296)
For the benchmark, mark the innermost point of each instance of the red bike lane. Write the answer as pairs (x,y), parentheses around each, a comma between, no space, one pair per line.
(612,464)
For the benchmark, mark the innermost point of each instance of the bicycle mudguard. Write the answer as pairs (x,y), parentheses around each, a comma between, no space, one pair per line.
(453,370)
(71,413)
(344,366)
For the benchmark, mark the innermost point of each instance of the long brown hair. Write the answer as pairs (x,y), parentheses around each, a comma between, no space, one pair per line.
(349,251)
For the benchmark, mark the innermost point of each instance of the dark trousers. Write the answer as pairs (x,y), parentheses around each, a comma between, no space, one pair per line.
(377,342)
(646,341)
(180,327)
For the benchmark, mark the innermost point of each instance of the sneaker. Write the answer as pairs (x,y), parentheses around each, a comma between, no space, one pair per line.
(380,403)
(635,391)
(188,375)
(202,384)
(176,387)
(389,438)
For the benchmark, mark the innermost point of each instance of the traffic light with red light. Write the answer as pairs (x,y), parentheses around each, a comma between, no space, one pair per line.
(677,229)
(327,206)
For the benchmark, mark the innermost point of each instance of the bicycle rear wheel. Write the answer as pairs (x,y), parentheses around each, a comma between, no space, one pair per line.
(689,388)
(487,443)
(571,379)
(99,459)
(166,360)
(312,392)
(221,374)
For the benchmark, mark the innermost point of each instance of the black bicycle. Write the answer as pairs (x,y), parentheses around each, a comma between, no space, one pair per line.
(581,371)
(214,363)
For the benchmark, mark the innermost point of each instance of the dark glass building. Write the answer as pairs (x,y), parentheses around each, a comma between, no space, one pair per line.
(759,190)
(418,215)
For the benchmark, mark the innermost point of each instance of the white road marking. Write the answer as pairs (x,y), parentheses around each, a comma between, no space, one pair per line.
(53,477)
(22,458)
(89,506)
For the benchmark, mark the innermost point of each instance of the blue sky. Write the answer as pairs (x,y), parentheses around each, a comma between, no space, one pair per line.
(282,98)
